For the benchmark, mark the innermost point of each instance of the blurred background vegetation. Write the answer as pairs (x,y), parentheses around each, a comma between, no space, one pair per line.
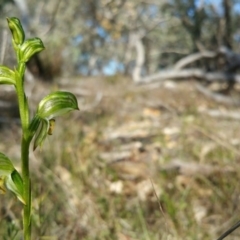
(103,37)
(138,162)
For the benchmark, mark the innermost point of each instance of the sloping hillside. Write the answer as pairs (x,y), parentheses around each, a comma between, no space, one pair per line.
(143,162)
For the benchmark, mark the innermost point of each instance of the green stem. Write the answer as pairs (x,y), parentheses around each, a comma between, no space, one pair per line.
(26,139)
(26,188)
(22,100)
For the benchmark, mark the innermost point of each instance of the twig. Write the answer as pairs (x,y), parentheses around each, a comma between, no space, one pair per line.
(229,231)
(160,206)
(159,203)
(222,142)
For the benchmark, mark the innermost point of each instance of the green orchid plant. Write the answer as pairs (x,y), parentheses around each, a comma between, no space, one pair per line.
(34,129)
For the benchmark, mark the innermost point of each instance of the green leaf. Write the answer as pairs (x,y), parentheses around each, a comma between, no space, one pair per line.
(14,183)
(6,166)
(17,30)
(29,48)
(41,133)
(56,104)
(7,76)
(10,177)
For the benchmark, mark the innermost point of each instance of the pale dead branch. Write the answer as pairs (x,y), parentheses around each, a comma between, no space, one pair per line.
(217,96)
(222,114)
(185,74)
(193,58)
(194,168)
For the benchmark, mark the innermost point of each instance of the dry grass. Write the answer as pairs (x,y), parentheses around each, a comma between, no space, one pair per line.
(144,164)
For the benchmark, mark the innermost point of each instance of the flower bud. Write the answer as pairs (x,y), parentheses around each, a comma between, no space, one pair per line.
(17,30)
(30,47)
